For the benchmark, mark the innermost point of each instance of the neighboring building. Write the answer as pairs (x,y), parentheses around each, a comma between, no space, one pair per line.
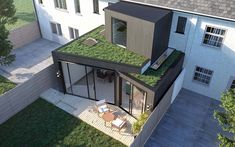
(64,20)
(151,30)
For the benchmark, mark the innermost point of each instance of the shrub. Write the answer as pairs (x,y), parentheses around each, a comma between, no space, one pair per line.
(137,126)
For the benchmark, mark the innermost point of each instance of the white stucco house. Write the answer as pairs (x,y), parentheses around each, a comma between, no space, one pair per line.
(203,30)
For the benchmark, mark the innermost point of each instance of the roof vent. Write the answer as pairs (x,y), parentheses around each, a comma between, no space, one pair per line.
(162,58)
(90,42)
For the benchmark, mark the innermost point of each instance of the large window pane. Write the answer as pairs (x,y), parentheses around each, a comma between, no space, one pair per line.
(119,32)
(78,79)
(104,84)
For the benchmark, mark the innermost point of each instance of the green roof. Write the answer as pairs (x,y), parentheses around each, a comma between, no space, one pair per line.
(151,76)
(103,50)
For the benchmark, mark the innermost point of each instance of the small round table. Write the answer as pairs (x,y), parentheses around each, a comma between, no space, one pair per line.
(108,117)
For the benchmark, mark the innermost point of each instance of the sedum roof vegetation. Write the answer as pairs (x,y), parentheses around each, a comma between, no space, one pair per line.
(151,76)
(103,50)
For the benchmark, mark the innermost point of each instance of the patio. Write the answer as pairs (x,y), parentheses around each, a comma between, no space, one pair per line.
(83,109)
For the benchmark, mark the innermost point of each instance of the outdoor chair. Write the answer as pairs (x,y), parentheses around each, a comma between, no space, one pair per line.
(101,107)
(119,123)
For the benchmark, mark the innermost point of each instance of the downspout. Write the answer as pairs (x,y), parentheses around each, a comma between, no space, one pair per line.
(188,48)
(36,13)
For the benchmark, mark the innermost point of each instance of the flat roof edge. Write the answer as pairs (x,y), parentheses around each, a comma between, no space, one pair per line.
(121,67)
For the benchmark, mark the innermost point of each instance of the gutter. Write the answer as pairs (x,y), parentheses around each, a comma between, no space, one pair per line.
(180,10)
(36,13)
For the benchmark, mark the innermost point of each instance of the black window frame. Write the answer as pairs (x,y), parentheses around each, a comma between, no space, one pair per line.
(181,25)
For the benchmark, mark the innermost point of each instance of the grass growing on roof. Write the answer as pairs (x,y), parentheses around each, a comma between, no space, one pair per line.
(24,12)
(5,85)
(103,50)
(151,76)
(43,124)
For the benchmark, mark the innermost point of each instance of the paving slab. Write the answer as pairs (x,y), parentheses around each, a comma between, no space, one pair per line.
(189,122)
(30,59)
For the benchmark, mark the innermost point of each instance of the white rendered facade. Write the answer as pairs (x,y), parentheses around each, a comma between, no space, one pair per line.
(84,21)
(220,60)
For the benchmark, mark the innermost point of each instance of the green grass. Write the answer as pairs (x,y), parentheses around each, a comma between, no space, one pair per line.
(151,76)
(5,85)
(24,12)
(42,124)
(104,50)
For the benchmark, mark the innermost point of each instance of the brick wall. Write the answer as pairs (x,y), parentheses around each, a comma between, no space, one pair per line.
(24,35)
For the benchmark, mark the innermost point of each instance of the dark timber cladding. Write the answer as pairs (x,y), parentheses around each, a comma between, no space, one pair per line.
(148,28)
(147,13)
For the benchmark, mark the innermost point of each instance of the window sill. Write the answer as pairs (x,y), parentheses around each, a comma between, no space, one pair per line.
(180,33)
(78,13)
(200,83)
(62,10)
(211,46)
(96,13)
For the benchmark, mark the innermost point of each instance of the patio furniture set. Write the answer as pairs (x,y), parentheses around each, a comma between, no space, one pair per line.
(104,111)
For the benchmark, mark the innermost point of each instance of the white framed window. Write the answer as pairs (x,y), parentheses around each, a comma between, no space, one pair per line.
(61,4)
(214,36)
(56,28)
(202,75)
(77,6)
(73,33)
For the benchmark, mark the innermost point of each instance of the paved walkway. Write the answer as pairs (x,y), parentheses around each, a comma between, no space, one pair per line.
(84,109)
(188,123)
(30,59)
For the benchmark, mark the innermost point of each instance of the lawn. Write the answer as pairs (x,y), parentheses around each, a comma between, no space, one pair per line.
(42,124)
(151,76)
(24,12)
(5,85)
(103,50)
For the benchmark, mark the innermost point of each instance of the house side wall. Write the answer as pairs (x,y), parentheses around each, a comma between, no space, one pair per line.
(84,21)
(220,60)
(137,32)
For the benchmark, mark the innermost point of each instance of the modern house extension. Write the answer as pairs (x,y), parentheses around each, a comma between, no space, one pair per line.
(121,62)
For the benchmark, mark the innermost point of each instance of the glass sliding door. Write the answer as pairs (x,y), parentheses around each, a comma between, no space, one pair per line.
(78,79)
(133,98)
(89,82)
(104,84)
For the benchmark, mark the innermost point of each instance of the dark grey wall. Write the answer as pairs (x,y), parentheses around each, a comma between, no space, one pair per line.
(161,36)
(168,79)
